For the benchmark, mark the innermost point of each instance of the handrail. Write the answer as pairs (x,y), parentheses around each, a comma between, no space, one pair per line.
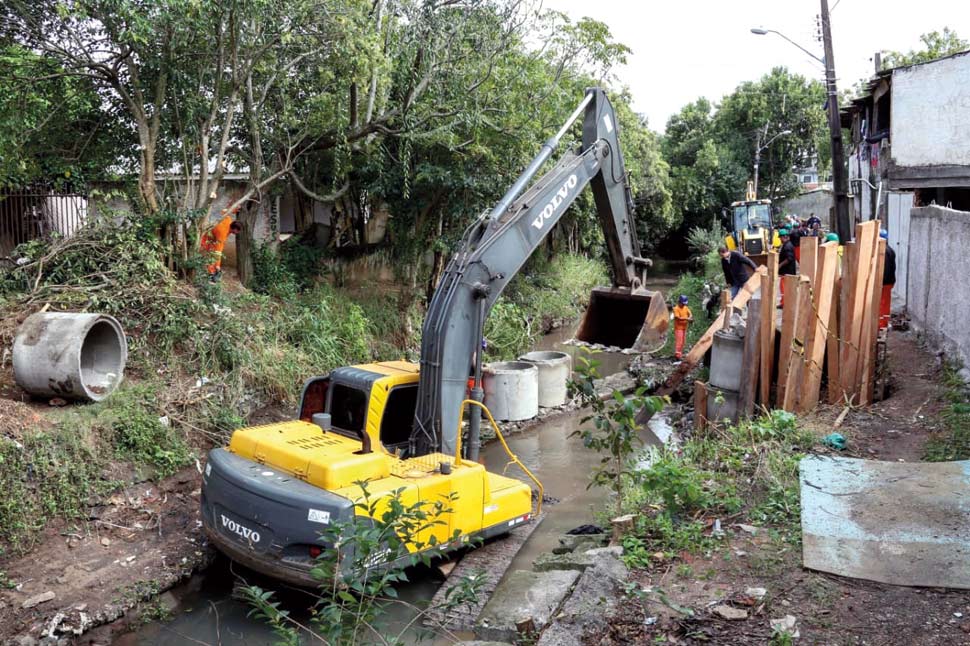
(498,433)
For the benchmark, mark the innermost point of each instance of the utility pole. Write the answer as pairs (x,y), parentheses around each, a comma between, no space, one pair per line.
(840,181)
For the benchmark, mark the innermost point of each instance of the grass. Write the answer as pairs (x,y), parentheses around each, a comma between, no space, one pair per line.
(954,442)
(746,471)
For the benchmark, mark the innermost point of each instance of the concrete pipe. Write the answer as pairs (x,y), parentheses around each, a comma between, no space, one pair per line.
(511,390)
(74,356)
(554,370)
(726,356)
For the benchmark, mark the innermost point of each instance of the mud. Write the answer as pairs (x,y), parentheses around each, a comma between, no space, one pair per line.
(140,541)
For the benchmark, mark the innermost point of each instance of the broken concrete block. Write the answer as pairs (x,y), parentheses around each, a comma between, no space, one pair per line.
(522,596)
(595,597)
(729,612)
(38,599)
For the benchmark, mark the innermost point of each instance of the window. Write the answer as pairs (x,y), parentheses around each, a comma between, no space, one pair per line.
(348,407)
(398,415)
(806,179)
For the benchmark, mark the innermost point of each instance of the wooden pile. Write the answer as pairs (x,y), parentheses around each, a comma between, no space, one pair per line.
(826,333)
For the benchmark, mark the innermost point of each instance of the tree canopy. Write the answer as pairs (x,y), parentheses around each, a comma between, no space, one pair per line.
(936,44)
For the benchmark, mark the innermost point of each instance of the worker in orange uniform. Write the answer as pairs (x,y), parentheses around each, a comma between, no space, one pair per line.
(682,319)
(214,241)
(888,282)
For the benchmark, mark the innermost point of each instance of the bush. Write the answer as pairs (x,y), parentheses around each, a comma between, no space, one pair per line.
(543,294)
(51,473)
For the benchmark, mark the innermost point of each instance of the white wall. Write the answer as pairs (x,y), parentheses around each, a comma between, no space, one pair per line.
(936,278)
(931,113)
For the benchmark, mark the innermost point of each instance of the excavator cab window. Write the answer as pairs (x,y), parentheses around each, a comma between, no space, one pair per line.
(348,407)
(398,414)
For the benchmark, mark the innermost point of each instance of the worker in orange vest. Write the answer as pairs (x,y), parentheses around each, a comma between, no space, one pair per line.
(214,241)
(682,319)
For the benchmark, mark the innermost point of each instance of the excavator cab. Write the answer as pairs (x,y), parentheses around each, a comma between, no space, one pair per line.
(625,318)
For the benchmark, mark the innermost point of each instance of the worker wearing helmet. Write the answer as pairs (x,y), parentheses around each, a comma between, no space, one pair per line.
(787,265)
(888,282)
(214,241)
(682,319)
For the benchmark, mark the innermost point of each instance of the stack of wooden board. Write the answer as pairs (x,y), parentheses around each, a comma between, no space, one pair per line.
(826,332)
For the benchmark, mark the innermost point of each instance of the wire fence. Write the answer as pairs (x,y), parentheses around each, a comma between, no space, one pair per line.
(36,212)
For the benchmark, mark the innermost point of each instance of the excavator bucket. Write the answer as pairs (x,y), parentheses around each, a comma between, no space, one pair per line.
(625,318)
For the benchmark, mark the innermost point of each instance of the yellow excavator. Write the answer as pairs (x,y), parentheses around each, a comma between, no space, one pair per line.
(269,496)
(751,229)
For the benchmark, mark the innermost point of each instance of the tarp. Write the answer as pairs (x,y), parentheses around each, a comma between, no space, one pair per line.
(904,523)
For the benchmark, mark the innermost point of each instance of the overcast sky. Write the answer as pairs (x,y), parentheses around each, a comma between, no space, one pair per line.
(683,49)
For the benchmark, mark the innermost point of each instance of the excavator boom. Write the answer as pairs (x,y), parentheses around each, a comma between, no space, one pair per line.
(497,245)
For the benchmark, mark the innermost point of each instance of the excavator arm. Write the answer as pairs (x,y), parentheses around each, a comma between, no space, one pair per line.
(495,248)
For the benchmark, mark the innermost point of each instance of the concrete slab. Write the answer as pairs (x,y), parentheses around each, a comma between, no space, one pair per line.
(490,561)
(524,596)
(594,598)
(894,522)
(586,556)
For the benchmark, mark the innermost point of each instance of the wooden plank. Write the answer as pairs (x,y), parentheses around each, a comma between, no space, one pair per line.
(819,331)
(704,343)
(869,350)
(867,233)
(833,360)
(809,254)
(700,405)
(797,347)
(769,297)
(750,364)
(868,269)
(726,307)
(854,313)
(788,314)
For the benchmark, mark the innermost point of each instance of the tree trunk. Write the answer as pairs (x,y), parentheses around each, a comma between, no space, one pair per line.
(244,242)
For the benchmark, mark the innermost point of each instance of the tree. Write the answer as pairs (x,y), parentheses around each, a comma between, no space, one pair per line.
(935,45)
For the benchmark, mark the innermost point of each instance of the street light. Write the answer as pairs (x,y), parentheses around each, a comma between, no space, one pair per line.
(764,32)
(843,217)
(757,155)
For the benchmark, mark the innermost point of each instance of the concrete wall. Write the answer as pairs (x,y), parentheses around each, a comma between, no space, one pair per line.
(818,202)
(937,277)
(930,113)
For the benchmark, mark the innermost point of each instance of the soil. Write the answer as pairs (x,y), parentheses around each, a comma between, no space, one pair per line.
(141,540)
(828,609)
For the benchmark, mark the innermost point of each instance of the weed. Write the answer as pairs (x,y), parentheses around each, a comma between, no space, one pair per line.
(359,569)
(153,611)
(614,431)
(954,443)
(49,474)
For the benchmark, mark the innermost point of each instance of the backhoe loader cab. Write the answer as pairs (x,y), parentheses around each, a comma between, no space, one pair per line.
(268,496)
(751,230)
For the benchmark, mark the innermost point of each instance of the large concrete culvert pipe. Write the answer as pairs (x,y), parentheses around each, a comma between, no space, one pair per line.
(554,370)
(74,356)
(511,390)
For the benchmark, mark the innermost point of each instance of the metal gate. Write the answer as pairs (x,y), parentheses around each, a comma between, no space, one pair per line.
(33,213)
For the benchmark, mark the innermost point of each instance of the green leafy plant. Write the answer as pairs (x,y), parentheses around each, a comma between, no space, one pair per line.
(362,561)
(611,426)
